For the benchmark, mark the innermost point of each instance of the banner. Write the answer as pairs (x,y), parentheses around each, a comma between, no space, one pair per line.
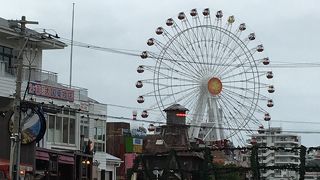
(51,91)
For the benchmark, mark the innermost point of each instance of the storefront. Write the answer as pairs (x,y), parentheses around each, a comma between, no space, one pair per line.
(54,165)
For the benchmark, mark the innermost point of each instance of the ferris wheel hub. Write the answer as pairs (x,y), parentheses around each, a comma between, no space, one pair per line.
(215,86)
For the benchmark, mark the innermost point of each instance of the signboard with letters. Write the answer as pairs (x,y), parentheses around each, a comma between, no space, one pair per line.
(45,90)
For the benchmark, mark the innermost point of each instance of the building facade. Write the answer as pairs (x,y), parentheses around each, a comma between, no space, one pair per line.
(72,119)
(275,137)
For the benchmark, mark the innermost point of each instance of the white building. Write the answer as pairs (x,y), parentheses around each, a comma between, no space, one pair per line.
(70,114)
(275,137)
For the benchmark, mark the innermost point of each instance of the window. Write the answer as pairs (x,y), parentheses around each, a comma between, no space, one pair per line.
(58,131)
(62,128)
(99,135)
(84,126)
(99,147)
(65,129)
(72,131)
(84,130)
(6,59)
(50,132)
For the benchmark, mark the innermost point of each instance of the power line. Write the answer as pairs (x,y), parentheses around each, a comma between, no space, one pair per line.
(223,128)
(274,120)
(137,53)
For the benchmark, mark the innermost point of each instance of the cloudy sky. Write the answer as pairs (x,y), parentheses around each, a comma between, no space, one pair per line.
(289,30)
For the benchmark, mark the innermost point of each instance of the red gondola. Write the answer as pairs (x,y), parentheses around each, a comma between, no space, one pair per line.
(193,12)
(270,103)
(252,36)
(159,30)
(261,129)
(140,69)
(269,75)
(151,128)
(169,22)
(150,42)
(219,14)
(144,114)
(271,89)
(260,48)
(139,84)
(242,27)
(206,12)
(266,61)
(144,55)
(267,117)
(140,99)
(181,16)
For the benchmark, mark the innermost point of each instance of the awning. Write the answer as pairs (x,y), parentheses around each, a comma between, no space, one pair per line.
(66,159)
(42,155)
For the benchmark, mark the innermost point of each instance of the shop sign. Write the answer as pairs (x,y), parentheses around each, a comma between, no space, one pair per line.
(51,91)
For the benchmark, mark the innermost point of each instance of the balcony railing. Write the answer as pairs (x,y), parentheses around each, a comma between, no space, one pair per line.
(29,74)
(287,141)
(39,75)
(287,154)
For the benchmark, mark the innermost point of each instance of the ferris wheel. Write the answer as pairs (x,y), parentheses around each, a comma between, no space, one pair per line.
(214,67)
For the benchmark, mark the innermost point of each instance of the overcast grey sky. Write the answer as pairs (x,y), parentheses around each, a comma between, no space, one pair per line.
(289,30)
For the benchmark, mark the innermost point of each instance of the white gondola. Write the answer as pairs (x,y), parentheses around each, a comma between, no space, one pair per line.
(134,114)
(231,19)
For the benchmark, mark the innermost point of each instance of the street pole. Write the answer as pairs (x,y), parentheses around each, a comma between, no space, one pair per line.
(16,132)
(71,51)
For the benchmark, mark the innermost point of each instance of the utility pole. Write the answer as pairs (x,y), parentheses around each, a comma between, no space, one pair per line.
(16,133)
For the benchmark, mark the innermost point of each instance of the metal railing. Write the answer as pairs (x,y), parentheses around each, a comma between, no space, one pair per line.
(39,75)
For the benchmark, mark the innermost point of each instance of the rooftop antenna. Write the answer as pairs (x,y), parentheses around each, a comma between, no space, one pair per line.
(71,52)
